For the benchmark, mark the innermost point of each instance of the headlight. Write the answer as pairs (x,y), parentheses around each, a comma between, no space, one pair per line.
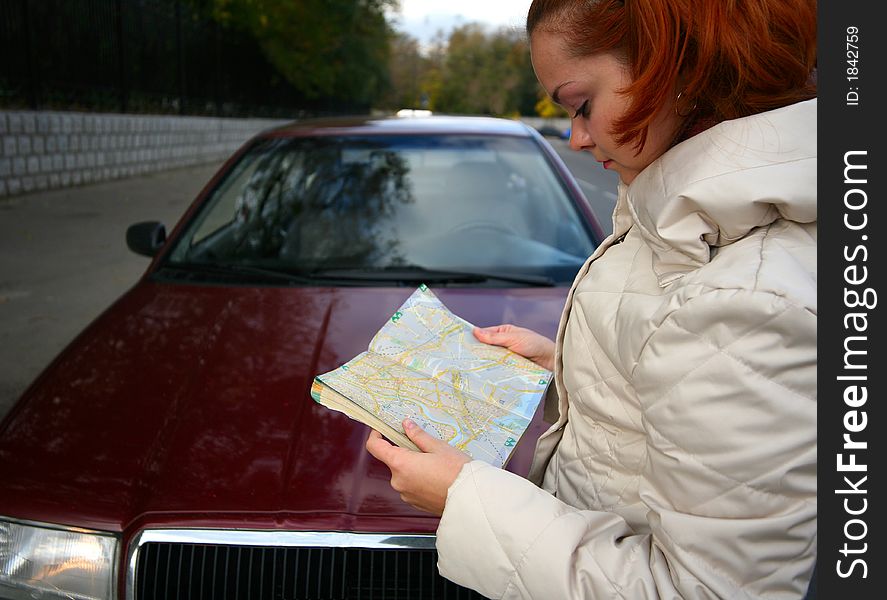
(41,562)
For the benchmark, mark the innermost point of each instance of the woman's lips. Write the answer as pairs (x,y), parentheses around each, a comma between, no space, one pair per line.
(606,163)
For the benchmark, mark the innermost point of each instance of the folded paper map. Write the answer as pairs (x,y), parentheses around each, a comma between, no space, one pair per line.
(425,364)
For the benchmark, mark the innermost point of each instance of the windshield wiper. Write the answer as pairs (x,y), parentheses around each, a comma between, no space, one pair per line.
(420,274)
(411,273)
(236,269)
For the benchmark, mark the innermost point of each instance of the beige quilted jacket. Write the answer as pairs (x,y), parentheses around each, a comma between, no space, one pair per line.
(683,463)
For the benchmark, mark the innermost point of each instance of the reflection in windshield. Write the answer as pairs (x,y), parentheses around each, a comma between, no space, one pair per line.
(459,203)
(321,206)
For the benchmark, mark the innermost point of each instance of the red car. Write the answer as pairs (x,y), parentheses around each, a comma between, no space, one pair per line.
(173,449)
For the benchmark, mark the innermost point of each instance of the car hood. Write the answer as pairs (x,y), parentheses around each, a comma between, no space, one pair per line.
(187,404)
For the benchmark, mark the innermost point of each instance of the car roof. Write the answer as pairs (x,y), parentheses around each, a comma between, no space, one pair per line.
(393,125)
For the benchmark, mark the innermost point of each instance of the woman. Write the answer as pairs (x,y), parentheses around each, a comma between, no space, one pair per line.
(683,460)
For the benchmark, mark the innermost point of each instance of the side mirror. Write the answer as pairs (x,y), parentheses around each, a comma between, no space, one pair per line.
(146,238)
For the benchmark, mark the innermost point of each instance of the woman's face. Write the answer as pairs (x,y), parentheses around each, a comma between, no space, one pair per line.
(588,88)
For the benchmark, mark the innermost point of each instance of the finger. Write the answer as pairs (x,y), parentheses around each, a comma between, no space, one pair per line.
(374,435)
(379,447)
(498,335)
(423,440)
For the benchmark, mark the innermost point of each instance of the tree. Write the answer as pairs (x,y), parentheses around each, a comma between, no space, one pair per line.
(487,73)
(547,109)
(406,69)
(328,49)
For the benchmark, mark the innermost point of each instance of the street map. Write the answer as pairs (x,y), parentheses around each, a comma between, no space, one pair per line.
(425,364)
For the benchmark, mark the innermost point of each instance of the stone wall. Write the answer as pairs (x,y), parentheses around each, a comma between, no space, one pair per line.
(46,150)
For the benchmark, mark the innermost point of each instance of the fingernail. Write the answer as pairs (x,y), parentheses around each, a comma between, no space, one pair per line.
(408,424)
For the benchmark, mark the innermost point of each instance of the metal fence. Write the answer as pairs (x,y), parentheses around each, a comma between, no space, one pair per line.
(137,56)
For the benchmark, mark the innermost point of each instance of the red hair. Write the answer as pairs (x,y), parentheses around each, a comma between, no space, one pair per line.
(728,58)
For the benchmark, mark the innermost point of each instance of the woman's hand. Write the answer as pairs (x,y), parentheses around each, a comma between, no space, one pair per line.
(422,478)
(519,340)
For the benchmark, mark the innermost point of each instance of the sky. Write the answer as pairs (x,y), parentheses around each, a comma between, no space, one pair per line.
(423,18)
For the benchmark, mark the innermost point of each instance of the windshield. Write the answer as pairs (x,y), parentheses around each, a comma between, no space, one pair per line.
(372,203)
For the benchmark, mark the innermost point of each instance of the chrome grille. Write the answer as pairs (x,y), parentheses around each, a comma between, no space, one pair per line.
(173,570)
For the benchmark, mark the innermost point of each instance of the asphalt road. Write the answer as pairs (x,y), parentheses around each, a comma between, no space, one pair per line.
(63,256)
(598,184)
(63,260)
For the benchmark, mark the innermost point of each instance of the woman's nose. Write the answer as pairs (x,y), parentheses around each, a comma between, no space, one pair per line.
(579,138)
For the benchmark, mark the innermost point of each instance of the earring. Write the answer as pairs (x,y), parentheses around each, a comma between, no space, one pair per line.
(677,102)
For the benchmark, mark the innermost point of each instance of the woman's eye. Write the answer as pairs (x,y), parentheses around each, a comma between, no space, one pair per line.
(583,110)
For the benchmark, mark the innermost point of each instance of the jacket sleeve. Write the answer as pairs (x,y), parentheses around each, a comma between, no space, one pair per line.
(727,384)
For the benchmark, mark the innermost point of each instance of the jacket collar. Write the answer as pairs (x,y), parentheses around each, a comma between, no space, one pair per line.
(715,187)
